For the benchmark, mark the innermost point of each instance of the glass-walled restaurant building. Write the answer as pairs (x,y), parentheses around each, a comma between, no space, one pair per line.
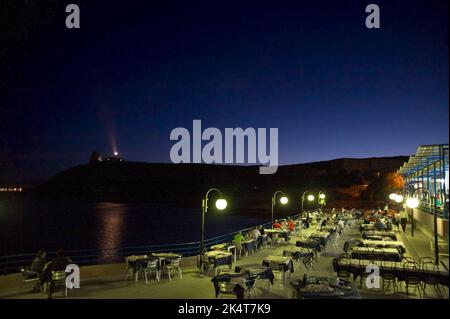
(426,176)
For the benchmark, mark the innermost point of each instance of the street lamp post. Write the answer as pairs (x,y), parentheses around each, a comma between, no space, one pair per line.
(221,204)
(283,200)
(310,198)
(320,199)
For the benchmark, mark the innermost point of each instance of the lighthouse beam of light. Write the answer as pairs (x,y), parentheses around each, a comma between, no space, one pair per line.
(107,118)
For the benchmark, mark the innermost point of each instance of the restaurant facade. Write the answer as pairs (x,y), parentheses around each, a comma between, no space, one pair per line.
(426,176)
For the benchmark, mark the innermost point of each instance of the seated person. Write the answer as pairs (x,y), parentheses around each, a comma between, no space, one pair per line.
(37,266)
(256,233)
(389,225)
(277,225)
(380,225)
(291,225)
(238,239)
(324,222)
(261,230)
(59,263)
(36,269)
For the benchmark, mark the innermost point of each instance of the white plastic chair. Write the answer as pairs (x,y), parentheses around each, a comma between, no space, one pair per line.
(174,265)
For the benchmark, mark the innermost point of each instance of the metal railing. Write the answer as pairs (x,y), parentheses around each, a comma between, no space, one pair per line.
(427,207)
(13,263)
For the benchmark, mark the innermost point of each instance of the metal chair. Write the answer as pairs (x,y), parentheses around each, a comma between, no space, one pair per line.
(411,279)
(206,263)
(128,269)
(408,260)
(431,270)
(344,274)
(152,267)
(278,271)
(362,273)
(308,262)
(58,278)
(250,284)
(173,264)
(388,275)
(344,260)
(226,289)
(334,241)
(31,277)
(426,260)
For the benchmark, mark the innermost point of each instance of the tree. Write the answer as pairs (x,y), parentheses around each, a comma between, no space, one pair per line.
(382,186)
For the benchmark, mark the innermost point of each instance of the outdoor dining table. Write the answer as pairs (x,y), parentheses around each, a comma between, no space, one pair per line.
(136,263)
(277,232)
(367,227)
(381,233)
(322,236)
(229,247)
(309,243)
(391,254)
(376,237)
(285,262)
(355,266)
(263,272)
(325,288)
(164,257)
(237,279)
(350,243)
(219,246)
(384,244)
(219,258)
(298,252)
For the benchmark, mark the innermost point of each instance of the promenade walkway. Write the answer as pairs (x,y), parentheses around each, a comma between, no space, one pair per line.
(106,281)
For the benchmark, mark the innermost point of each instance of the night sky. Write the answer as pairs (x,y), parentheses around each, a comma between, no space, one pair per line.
(137,69)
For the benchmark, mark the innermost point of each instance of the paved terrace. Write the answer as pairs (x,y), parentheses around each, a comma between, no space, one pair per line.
(106,281)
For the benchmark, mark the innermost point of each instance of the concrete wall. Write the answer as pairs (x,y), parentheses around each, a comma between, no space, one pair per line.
(425,221)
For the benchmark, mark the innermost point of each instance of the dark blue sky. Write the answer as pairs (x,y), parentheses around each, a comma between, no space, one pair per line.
(135,71)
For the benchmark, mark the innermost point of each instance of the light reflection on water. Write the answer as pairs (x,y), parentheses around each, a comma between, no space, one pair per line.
(110,235)
(27,225)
